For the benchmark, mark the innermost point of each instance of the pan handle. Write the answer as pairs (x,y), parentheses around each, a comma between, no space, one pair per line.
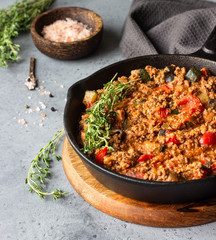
(208,50)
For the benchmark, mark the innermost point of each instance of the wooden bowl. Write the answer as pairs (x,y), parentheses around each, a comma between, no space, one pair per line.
(68,50)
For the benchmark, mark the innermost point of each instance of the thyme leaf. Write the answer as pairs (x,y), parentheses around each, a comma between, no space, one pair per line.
(101,113)
(39,169)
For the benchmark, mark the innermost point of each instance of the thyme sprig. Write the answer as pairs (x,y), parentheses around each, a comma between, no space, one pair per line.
(101,113)
(39,169)
(13,20)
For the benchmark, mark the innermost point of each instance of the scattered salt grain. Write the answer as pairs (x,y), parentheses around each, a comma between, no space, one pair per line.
(45,93)
(22,121)
(37,109)
(42,105)
(61,86)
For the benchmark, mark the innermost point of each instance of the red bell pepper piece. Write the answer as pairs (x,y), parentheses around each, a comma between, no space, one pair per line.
(166,88)
(205,72)
(145,157)
(163,112)
(208,139)
(191,104)
(173,140)
(100,156)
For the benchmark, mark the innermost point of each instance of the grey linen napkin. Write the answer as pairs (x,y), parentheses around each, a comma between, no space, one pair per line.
(167,27)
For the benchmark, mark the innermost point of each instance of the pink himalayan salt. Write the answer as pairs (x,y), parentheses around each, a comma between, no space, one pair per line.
(66,31)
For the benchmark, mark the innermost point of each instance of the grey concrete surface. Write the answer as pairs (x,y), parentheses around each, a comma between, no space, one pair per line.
(23,215)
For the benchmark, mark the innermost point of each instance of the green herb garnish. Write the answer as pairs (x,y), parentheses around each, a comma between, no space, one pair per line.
(39,169)
(13,20)
(175,112)
(144,75)
(100,115)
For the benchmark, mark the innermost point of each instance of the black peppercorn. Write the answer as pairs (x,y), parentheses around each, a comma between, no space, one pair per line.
(53,109)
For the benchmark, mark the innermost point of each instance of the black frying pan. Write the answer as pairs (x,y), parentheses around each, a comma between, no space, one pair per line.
(150,191)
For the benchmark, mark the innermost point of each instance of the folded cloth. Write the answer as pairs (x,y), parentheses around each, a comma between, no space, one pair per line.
(167,27)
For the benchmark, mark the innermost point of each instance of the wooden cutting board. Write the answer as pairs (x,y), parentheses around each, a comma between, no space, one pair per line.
(118,206)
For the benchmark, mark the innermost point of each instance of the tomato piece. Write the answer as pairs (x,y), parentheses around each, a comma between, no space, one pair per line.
(170,166)
(204,173)
(159,122)
(166,88)
(191,104)
(145,157)
(213,167)
(85,116)
(208,139)
(89,104)
(173,140)
(205,72)
(83,136)
(163,112)
(100,156)
(203,161)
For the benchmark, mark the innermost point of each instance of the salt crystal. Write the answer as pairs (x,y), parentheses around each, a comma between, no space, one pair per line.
(22,121)
(31,110)
(45,93)
(43,106)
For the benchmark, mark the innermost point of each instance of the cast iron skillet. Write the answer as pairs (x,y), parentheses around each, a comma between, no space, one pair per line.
(149,191)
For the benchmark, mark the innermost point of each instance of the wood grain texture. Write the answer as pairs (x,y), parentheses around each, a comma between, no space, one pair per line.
(130,210)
